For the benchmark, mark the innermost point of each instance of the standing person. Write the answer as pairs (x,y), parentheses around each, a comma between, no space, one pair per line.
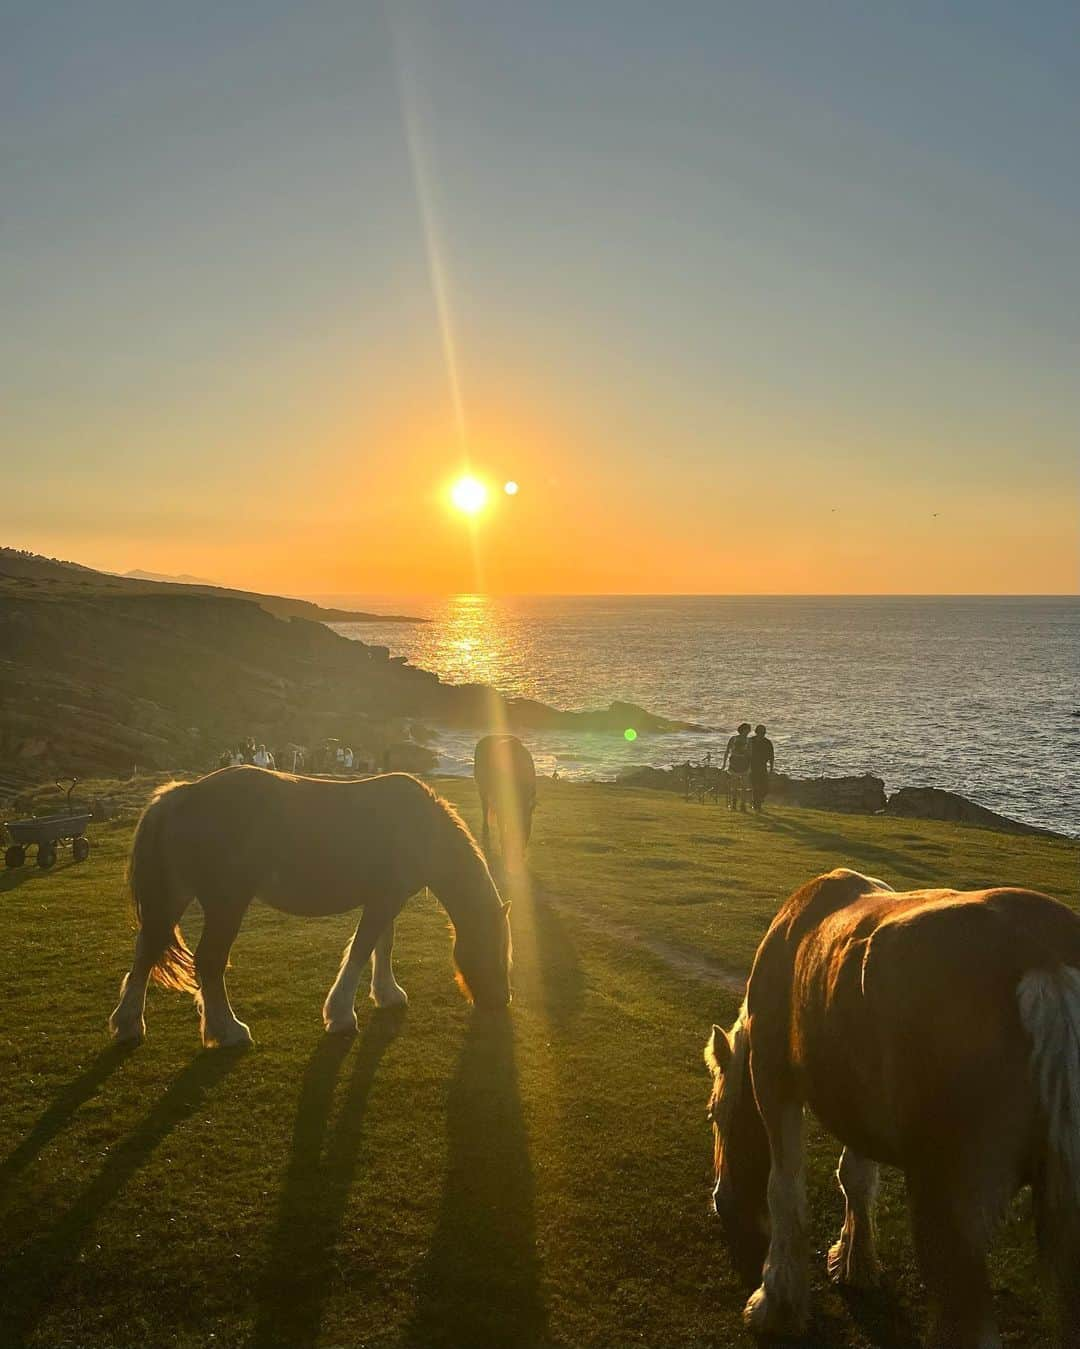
(761,766)
(737,763)
(348,760)
(260,758)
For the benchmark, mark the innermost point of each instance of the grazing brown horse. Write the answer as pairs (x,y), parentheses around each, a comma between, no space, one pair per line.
(936,1031)
(506,780)
(311,848)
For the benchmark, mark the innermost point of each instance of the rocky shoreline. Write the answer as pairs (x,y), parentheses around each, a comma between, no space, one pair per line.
(862,794)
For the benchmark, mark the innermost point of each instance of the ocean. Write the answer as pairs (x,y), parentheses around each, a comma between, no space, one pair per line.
(974,694)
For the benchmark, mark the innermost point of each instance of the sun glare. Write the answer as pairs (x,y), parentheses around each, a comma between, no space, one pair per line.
(469,495)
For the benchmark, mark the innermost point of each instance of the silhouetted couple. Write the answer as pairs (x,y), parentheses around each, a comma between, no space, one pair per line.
(749,761)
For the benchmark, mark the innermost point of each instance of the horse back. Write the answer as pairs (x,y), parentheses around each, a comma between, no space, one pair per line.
(898,1014)
(323,845)
(502,758)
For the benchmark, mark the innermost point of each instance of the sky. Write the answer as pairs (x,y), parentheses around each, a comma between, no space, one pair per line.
(771,298)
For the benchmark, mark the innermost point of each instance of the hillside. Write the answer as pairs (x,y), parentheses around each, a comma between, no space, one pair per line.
(98,674)
(443,1179)
(22,572)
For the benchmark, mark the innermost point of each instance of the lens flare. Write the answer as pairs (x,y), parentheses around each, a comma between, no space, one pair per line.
(469,494)
(629,733)
(511,488)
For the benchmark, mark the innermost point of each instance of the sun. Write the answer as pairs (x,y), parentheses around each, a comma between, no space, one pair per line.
(469,495)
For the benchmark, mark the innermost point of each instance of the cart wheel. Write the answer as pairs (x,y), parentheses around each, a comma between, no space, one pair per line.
(46,855)
(80,849)
(15,856)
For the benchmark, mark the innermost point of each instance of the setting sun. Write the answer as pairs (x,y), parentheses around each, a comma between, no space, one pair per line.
(469,495)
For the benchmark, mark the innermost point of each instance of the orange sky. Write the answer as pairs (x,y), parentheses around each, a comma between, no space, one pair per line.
(737,310)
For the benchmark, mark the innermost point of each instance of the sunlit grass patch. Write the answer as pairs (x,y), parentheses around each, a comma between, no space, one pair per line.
(436,1180)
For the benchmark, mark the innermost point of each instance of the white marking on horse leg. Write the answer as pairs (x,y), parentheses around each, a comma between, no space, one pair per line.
(853,1258)
(781,1306)
(385,989)
(127,1023)
(339,1009)
(218,1023)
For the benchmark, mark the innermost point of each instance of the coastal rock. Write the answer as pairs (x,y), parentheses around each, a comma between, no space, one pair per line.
(934,803)
(408,758)
(863,794)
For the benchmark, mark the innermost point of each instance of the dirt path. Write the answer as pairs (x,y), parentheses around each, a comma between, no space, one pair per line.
(684,960)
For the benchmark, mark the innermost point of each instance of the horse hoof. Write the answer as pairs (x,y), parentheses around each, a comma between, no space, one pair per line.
(343,1026)
(130,1039)
(234,1037)
(851,1269)
(390,997)
(128,1036)
(767,1315)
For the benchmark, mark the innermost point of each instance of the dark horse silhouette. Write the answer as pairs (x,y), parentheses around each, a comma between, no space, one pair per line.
(312,848)
(506,780)
(938,1031)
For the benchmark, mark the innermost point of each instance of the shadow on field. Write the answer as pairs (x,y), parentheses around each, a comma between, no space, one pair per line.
(34,1279)
(63,1110)
(480,1282)
(318,1182)
(882,1318)
(562,980)
(857,852)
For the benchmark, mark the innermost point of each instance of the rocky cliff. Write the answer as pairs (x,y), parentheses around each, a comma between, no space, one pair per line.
(95,678)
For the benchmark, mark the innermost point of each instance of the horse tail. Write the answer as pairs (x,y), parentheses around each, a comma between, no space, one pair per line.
(154,898)
(1049,1003)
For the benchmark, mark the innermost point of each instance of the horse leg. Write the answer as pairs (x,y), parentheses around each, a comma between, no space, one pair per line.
(1057,1230)
(952,1233)
(217,1021)
(128,1023)
(781,1306)
(385,989)
(853,1259)
(339,1009)
(485,825)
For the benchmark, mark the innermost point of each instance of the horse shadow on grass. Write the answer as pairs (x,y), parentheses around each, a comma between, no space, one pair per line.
(62,1111)
(858,852)
(882,1318)
(318,1182)
(33,1279)
(480,1284)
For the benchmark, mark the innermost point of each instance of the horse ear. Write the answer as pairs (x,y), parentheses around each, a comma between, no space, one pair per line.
(506,907)
(718,1050)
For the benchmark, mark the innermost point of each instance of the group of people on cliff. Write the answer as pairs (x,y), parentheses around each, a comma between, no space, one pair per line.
(749,761)
(327,759)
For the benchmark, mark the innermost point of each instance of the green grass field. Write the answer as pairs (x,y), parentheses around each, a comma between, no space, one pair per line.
(438,1179)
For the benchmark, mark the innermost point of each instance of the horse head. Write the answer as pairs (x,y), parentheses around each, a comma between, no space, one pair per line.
(740,1148)
(482,954)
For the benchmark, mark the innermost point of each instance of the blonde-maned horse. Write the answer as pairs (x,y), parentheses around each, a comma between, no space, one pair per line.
(937,1031)
(312,848)
(506,781)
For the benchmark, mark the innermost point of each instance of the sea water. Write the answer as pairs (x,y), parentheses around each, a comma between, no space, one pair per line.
(973,694)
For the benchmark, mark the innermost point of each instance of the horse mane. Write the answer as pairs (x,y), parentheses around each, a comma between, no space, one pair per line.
(461,833)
